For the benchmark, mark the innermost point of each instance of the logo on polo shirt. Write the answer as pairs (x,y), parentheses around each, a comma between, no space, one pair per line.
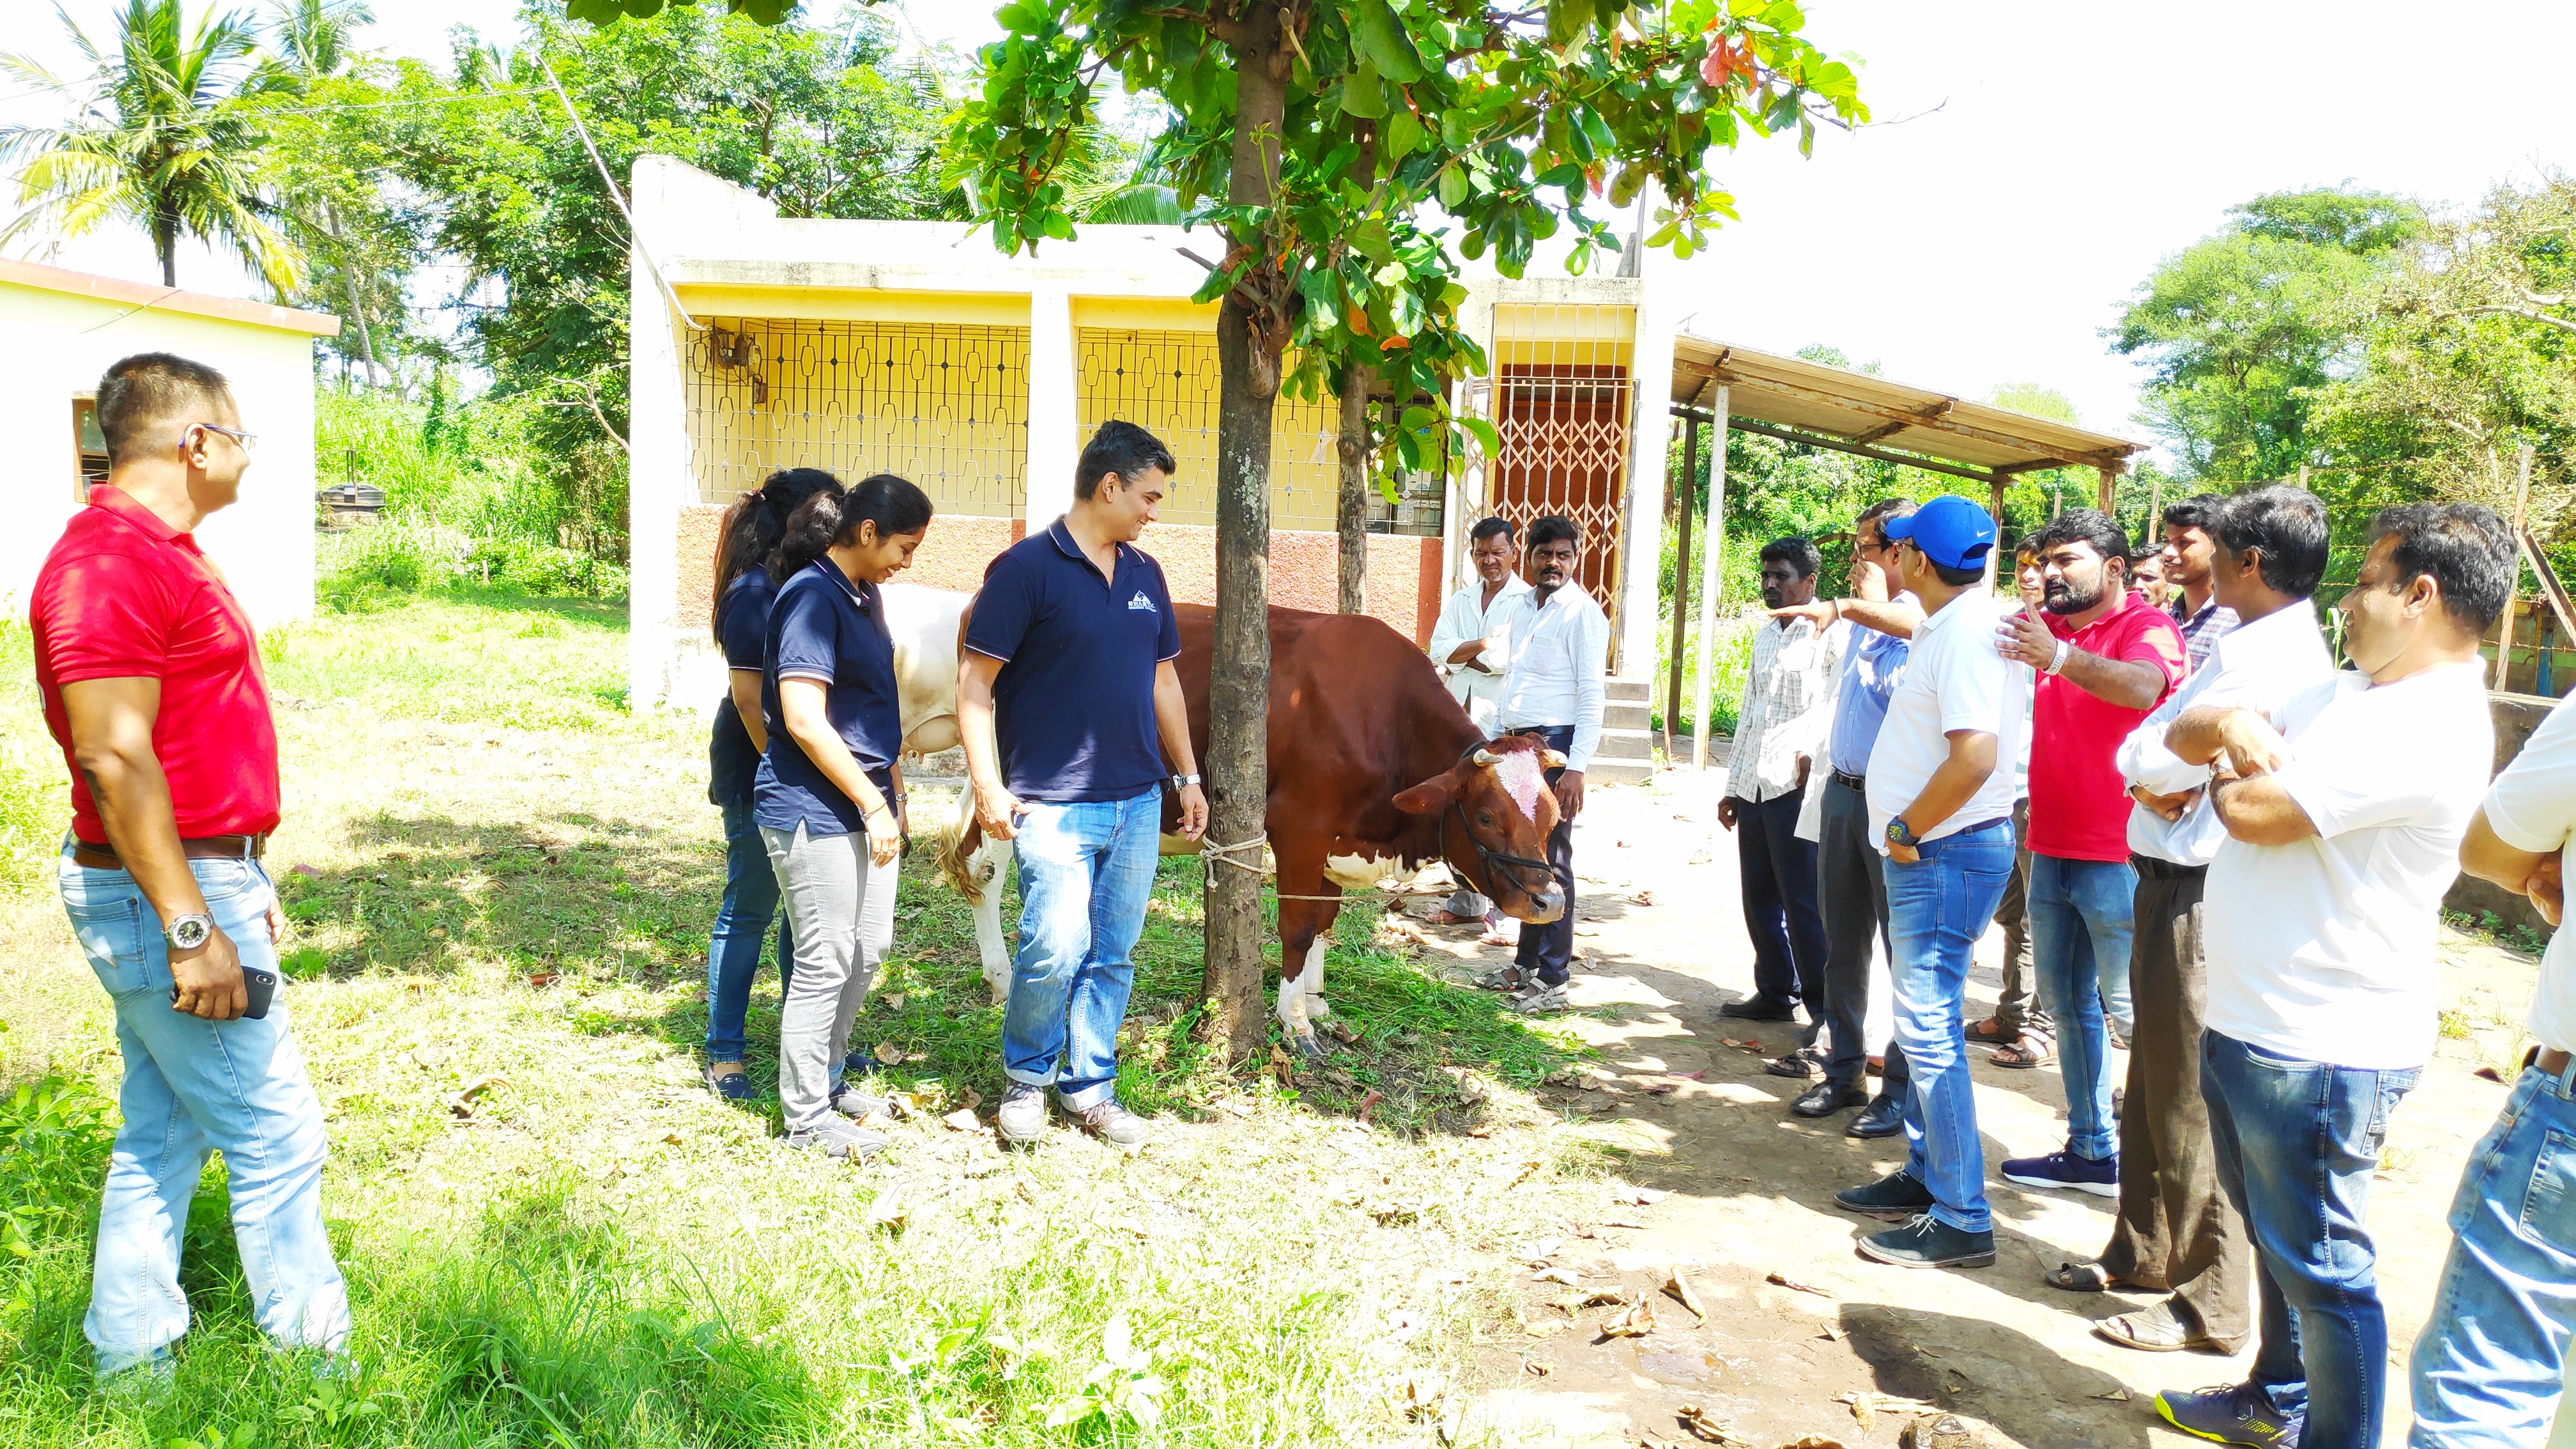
(1141,602)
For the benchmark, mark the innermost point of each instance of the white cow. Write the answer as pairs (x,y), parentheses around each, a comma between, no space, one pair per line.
(929,629)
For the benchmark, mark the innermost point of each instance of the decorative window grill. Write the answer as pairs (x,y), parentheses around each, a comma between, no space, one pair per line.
(943,405)
(1167,384)
(1560,399)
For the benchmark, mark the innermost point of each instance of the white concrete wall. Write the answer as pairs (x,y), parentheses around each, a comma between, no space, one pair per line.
(54,345)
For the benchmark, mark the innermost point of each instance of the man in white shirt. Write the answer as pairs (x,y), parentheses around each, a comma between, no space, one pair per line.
(2176,1230)
(2491,1367)
(1560,655)
(1471,645)
(1779,729)
(2344,809)
(1940,794)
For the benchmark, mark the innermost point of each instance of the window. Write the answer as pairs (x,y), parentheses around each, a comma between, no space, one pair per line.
(91,444)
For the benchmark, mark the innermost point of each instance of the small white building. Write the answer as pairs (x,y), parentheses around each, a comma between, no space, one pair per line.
(59,330)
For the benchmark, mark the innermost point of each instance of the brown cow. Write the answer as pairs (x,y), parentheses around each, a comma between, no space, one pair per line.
(1375,772)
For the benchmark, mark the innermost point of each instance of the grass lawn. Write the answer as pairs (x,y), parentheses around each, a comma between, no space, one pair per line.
(495,875)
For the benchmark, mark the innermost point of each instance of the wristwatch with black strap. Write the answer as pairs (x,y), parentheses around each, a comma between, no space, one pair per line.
(1900,833)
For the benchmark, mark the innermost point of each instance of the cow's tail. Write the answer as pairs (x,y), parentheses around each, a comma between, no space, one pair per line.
(961,837)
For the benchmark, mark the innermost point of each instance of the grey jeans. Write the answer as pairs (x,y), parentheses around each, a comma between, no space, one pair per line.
(840,910)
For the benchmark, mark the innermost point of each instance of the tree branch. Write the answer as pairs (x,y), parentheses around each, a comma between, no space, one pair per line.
(2528,314)
(590,394)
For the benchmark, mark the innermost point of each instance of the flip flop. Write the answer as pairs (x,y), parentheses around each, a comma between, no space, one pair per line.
(1443,916)
(2074,1277)
(2153,1330)
(2031,1051)
(1992,1029)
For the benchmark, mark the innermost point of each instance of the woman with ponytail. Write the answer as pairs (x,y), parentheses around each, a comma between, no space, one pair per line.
(828,796)
(746,545)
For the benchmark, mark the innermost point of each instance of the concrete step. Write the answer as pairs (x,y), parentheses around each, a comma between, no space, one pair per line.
(1625,772)
(1618,744)
(1621,714)
(1626,691)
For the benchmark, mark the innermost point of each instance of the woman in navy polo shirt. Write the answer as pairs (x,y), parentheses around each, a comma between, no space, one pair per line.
(745,548)
(827,793)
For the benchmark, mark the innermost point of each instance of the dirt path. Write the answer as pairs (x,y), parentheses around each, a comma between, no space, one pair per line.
(1750,1196)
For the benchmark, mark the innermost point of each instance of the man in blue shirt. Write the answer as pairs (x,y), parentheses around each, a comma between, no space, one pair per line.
(1851,877)
(1066,685)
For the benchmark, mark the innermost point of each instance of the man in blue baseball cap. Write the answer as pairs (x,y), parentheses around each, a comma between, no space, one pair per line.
(1942,813)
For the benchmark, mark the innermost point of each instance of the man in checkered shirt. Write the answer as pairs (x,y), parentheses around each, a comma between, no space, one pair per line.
(1779,730)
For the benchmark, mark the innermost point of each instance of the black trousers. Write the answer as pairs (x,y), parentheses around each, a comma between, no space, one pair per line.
(1779,875)
(1548,951)
(1851,882)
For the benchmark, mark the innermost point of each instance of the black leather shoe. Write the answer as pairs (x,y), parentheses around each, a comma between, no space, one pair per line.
(1883,1117)
(1897,1195)
(1927,1242)
(1761,1008)
(1824,1099)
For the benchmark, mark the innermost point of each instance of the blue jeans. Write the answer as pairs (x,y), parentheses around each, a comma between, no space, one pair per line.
(1937,908)
(1086,872)
(2491,1365)
(2080,915)
(194,1086)
(733,953)
(2296,1142)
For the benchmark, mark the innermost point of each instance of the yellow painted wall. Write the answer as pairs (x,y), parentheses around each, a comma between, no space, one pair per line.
(1165,381)
(943,405)
(1586,334)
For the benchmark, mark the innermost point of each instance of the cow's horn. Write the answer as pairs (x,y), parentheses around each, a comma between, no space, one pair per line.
(1487,758)
(1553,759)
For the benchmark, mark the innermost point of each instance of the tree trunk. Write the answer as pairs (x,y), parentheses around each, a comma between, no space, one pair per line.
(357,308)
(1350,512)
(1250,335)
(165,241)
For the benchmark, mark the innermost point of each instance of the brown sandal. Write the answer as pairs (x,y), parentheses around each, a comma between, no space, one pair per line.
(1992,1029)
(2074,1277)
(2033,1050)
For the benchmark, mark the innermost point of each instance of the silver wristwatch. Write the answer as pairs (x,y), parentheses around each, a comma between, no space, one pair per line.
(187,933)
(1183,782)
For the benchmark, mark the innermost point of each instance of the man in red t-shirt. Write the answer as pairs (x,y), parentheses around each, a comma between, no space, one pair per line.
(151,683)
(2105,657)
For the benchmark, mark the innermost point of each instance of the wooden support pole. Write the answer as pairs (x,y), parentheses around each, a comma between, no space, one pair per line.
(2104,480)
(1995,510)
(2513,599)
(1712,551)
(1683,498)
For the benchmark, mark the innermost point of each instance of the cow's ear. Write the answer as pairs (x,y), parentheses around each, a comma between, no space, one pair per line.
(1431,796)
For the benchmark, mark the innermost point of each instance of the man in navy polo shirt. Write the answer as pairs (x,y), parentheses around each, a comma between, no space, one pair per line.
(1066,684)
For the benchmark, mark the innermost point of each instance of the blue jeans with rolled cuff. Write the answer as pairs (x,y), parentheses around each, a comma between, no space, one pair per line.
(733,952)
(2296,1144)
(192,1087)
(1547,952)
(1086,874)
(2491,1366)
(1937,908)
(2082,916)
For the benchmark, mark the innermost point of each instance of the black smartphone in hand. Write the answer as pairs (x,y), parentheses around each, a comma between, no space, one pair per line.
(262,987)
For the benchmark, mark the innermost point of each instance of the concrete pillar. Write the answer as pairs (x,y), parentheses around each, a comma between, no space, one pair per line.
(1055,404)
(1711,561)
(1469,493)
(659,483)
(1641,534)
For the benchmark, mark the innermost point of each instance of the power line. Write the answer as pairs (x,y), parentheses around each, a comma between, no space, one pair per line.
(246,108)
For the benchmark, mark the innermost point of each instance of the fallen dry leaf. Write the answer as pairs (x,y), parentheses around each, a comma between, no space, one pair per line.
(1566,1276)
(462,1104)
(1728,1041)
(2117,1396)
(1543,1330)
(1537,1253)
(1704,1426)
(1692,1075)
(1814,1441)
(1643,898)
(1619,1223)
(1539,1366)
(543,978)
(1833,1333)
(1662,1089)
(888,1212)
(961,1120)
(674,1138)
(1368,1104)
(895,1002)
(890,1055)
(1787,1282)
(1421,1392)
(1680,1288)
(1639,1196)
(1636,1322)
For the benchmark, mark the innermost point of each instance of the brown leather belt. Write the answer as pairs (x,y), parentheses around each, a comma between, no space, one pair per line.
(211,847)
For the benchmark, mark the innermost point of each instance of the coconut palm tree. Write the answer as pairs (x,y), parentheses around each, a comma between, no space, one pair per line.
(311,38)
(152,141)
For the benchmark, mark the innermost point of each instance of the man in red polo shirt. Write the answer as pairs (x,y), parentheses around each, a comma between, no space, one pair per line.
(2105,657)
(151,682)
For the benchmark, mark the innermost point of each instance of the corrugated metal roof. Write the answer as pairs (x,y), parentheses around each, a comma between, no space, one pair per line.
(1876,412)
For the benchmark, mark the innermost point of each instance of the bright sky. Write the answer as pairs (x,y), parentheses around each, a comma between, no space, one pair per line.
(1987,241)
